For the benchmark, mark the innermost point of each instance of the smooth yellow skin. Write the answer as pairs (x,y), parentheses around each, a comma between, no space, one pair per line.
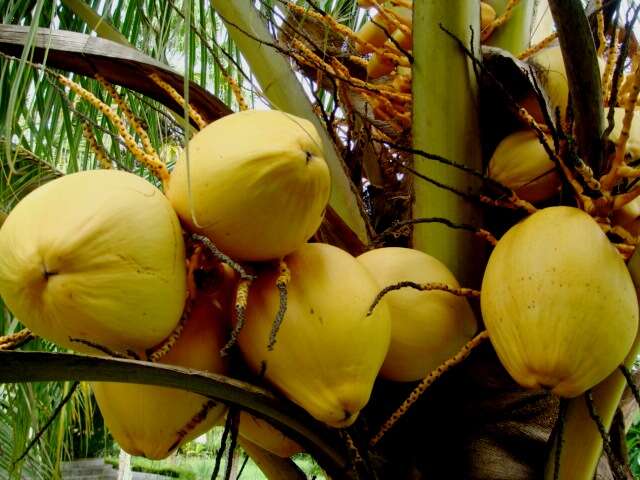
(428,327)
(114,251)
(487,15)
(259,184)
(145,419)
(521,163)
(558,302)
(265,436)
(554,81)
(328,351)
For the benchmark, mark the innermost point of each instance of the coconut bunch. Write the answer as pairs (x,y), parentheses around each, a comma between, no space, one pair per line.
(315,326)
(128,271)
(224,261)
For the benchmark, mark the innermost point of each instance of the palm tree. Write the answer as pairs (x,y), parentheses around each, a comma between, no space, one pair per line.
(406,170)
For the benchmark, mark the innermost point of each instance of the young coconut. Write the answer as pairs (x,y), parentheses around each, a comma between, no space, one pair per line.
(558,302)
(521,163)
(153,421)
(256,184)
(108,267)
(550,65)
(265,436)
(427,327)
(328,351)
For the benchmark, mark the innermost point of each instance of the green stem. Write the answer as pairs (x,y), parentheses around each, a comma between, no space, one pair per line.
(515,35)
(583,73)
(445,123)
(18,367)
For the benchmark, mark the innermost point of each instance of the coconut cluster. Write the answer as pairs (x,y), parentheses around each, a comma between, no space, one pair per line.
(122,268)
(113,273)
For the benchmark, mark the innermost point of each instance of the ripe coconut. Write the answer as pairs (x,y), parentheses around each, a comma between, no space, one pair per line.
(427,327)
(521,163)
(96,255)
(550,65)
(265,436)
(153,421)
(328,351)
(558,302)
(256,184)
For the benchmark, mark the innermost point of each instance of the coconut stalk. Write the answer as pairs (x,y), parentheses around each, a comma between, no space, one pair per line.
(317,439)
(581,64)
(281,87)
(445,122)
(515,35)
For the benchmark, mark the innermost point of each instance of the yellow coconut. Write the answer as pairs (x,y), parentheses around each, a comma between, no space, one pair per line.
(558,302)
(550,65)
(96,255)
(427,327)
(256,184)
(328,351)
(265,436)
(521,163)
(153,421)
(487,15)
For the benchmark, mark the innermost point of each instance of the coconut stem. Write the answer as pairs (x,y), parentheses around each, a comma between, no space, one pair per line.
(611,178)
(242,298)
(15,340)
(223,257)
(153,163)
(542,44)
(179,99)
(583,74)
(352,449)
(101,155)
(499,21)
(616,467)
(281,283)
(460,292)
(480,232)
(131,118)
